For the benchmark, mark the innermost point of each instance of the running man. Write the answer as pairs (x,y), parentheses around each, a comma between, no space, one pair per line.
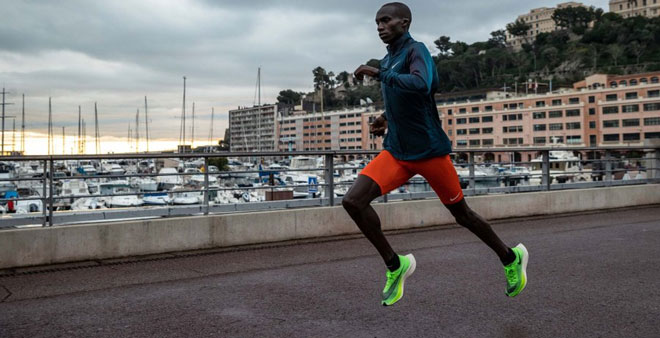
(415,144)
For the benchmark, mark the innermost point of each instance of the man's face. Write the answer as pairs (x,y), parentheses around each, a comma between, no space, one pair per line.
(390,25)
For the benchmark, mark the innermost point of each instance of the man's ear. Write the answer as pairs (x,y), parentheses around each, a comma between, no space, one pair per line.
(406,23)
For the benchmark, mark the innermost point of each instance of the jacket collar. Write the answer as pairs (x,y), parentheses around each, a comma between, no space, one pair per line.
(396,45)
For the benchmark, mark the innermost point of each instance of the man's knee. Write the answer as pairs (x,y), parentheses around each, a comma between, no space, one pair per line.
(351,203)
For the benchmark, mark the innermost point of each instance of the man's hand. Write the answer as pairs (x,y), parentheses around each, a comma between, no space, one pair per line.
(363,70)
(378,126)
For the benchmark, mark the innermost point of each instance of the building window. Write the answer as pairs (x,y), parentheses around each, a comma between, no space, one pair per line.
(555,114)
(631,137)
(611,97)
(461,143)
(513,141)
(556,102)
(651,106)
(475,109)
(592,99)
(623,82)
(475,143)
(592,124)
(611,124)
(540,103)
(556,126)
(574,139)
(474,120)
(487,142)
(654,93)
(610,110)
(592,111)
(461,131)
(488,108)
(539,140)
(630,108)
(461,121)
(573,112)
(513,129)
(487,119)
(630,122)
(449,122)
(649,136)
(572,125)
(633,82)
(539,127)
(462,111)
(448,111)
(474,131)
(449,132)
(643,81)
(538,115)
(574,100)
(610,137)
(613,84)
(652,121)
(631,96)
(654,79)
(487,130)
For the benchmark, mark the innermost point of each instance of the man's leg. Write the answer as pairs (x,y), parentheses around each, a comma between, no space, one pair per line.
(480,227)
(357,203)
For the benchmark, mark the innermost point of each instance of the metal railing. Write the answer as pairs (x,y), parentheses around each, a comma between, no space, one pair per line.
(604,169)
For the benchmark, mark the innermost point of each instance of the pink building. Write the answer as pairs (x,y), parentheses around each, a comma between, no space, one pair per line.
(602,110)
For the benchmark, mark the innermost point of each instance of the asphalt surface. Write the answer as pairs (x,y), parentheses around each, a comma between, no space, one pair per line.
(590,275)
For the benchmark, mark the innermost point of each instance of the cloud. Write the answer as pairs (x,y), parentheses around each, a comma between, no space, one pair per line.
(116,52)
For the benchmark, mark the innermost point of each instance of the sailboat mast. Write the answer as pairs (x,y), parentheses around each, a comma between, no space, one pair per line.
(23,126)
(211,132)
(146,121)
(137,131)
(97,136)
(50,126)
(79,131)
(63,142)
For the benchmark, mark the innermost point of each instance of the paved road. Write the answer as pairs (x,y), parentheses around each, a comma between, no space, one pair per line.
(590,275)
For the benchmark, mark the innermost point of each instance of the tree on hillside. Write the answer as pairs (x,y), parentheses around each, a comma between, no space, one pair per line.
(576,19)
(289,97)
(519,29)
(615,51)
(323,78)
(342,78)
(443,45)
(497,39)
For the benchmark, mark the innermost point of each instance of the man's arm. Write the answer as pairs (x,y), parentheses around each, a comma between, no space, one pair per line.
(421,72)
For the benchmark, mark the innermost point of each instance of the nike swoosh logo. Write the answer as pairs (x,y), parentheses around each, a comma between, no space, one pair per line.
(394,65)
(453,199)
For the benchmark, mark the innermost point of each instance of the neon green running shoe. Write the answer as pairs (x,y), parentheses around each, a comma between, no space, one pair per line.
(516,272)
(393,290)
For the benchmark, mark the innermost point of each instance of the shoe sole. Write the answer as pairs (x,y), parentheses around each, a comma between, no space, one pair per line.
(525,258)
(411,269)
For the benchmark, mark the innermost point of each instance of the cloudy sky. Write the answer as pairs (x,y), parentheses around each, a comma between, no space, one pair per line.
(115,52)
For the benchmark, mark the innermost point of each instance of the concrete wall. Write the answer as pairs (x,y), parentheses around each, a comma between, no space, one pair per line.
(37,246)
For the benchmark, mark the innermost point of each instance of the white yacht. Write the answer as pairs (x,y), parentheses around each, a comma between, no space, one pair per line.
(170,181)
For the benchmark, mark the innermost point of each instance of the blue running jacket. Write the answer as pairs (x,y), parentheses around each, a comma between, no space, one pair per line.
(409,81)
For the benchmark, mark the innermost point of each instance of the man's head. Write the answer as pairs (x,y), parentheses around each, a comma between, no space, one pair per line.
(393,20)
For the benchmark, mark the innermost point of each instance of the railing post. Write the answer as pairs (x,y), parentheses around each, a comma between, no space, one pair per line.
(653,164)
(330,178)
(546,179)
(44,199)
(608,166)
(471,184)
(206,185)
(50,195)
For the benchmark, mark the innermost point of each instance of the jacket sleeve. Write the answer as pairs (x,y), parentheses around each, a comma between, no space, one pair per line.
(421,72)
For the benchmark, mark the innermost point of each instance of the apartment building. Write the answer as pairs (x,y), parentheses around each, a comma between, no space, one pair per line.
(602,110)
(253,128)
(336,130)
(540,20)
(629,8)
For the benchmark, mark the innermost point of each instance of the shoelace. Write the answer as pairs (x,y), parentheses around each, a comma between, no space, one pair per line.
(390,279)
(511,275)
